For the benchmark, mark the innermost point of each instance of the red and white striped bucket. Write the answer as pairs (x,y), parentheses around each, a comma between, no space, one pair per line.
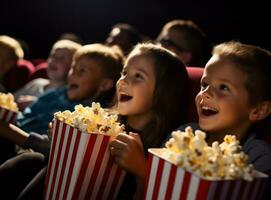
(167,181)
(80,166)
(8,116)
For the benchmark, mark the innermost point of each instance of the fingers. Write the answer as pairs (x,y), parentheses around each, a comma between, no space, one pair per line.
(116,152)
(137,137)
(124,137)
(118,144)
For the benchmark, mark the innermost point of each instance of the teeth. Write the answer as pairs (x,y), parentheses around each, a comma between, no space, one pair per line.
(208,108)
(123,93)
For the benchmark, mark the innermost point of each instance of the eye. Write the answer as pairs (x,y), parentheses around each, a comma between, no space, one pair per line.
(81,70)
(123,73)
(138,76)
(203,85)
(224,87)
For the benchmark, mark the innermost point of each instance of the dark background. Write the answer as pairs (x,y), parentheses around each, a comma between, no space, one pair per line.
(40,23)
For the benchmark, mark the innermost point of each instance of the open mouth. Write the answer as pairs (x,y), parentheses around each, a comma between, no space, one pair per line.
(72,86)
(208,111)
(125,98)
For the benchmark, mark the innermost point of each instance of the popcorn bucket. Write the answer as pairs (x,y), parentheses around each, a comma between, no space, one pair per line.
(80,166)
(167,181)
(7,115)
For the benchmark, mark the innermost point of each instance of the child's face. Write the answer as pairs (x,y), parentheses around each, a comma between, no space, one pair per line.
(135,88)
(84,79)
(59,64)
(223,102)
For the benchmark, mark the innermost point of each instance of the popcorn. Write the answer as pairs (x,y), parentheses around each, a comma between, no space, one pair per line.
(219,161)
(92,119)
(80,152)
(7,102)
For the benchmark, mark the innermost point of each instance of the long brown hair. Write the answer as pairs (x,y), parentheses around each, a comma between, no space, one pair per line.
(170,93)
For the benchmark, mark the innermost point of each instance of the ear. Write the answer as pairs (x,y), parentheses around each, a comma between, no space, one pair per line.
(261,111)
(106,84)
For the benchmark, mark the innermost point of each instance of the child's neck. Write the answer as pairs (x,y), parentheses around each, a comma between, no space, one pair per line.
(219,135)
(138,122)
(55,84)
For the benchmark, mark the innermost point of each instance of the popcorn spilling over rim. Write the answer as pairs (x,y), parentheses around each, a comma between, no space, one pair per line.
(219,161)
(7,101)
(92,119)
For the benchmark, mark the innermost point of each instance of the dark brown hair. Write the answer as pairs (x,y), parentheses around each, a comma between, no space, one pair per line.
(170,93)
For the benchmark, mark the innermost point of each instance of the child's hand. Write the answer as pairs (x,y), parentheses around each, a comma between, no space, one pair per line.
(128,153)
(24,101)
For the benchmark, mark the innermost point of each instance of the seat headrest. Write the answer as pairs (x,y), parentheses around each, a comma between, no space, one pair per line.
(195,74)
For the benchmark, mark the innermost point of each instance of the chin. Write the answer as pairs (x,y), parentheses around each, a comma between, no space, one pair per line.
(71,97)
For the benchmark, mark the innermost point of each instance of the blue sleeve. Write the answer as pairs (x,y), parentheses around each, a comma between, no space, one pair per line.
(39,143)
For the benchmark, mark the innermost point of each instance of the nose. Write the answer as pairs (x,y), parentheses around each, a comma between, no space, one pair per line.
(122,82)
(206,93)
(70,74)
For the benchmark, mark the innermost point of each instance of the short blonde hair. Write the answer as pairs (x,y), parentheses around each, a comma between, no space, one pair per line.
(66,44)
(10,48)
(110,58)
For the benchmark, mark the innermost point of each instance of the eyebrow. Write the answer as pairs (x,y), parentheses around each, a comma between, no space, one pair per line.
(219,79)
(142,71)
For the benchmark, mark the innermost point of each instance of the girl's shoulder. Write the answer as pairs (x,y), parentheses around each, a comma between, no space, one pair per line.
(193,125)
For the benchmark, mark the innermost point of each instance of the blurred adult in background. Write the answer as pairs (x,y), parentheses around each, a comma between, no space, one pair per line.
(187,40)
(71,36)
(125,36)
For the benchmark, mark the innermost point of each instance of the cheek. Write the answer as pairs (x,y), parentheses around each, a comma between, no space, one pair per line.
(198,99)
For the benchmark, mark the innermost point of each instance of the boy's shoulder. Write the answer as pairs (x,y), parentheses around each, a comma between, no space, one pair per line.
(259,153)
(52,93)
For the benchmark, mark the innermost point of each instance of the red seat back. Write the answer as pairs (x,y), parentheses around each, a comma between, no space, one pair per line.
(18,76)
(195,74)
(40,71)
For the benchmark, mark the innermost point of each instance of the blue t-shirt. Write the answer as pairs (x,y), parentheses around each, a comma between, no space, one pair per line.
(36,117)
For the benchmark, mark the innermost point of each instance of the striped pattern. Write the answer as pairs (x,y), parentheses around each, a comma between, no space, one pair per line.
(80,166)
(166,181)
(8,115)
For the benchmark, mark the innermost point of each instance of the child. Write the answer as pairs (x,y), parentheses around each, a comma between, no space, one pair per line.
(235,98)
(187,40)
(93,75)
(59,63)
(151,101)
(13,74)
